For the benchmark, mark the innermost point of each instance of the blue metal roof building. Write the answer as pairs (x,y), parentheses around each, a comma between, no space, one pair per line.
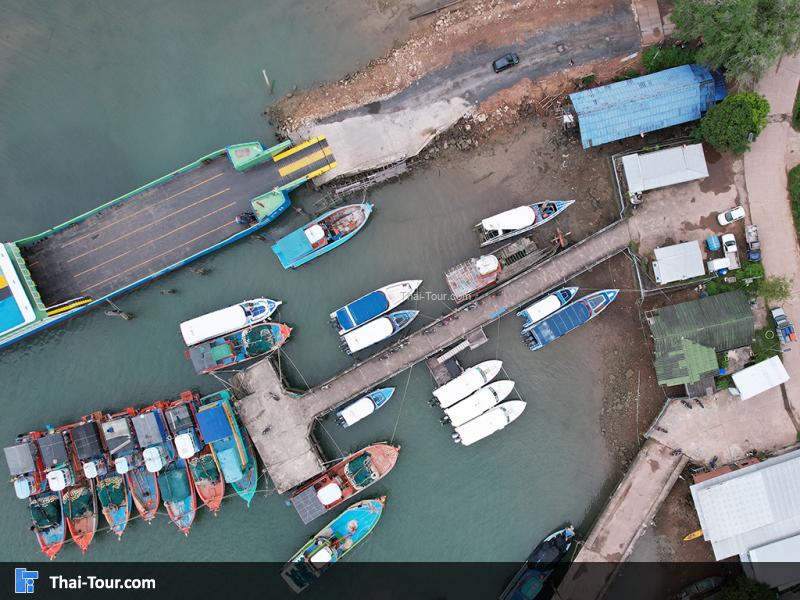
(643,104)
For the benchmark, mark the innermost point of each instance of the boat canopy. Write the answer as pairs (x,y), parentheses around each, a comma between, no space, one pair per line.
(180,419)
(542,308)
(362,310)
(330,493)
(214,423)
(185,445)
(486,265)
(53,449)
(315,234)
(174,486)
(230,464)
(562,322)
(21,458)
(322,556)
(516,218)
(22,488)
(149,428)
(361,408)
(371,333)
(153,459)
(122,465)
(58,480)
(86,440)
(119,439)
(213,324)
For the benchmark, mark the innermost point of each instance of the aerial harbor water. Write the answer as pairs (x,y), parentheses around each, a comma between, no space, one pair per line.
(92,107)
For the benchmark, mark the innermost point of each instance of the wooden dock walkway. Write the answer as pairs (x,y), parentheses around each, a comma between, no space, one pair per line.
(281,422)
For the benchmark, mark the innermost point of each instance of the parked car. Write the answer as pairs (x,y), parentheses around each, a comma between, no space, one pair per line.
(505,62)
(783,327)
(730,216)
(753,245)
(729,243)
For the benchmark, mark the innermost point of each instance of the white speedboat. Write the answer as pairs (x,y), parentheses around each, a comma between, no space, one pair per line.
(227,320)
(489,422)
(479,402)
(546,306)
(519,220)
(377,330)
(470,381)
(373,305)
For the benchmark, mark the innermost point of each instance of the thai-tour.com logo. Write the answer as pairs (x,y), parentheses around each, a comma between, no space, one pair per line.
(24,582)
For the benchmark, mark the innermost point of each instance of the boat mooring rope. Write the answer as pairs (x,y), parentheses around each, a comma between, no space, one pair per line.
(402,403)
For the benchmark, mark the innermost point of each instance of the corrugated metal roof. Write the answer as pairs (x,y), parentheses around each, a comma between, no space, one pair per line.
(643,104)
(760,377)
(652,170)
(678,262)
(688,362)
(751,507)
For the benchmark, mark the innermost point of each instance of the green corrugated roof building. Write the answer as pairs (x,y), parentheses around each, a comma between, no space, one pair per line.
(688,335)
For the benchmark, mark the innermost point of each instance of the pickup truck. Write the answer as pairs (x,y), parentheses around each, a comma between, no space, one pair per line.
(753,245)
(783,327)
(730,250)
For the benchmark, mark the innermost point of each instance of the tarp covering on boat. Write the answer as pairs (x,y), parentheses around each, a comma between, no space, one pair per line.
(118,436)
(516,218)
(362,310)
(111,491)
(352,413)
(174,485)
(78,502)
(180,419)
(204,468)
(262,338)
(53,449)
(20,458)
(213,325)
(86,440)
(359,470)
(213,422)
(150,429)
(230,464)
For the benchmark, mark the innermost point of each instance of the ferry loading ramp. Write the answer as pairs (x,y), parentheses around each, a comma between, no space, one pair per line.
(164,224)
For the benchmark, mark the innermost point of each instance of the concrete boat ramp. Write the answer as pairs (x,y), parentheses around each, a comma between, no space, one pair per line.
(280,421)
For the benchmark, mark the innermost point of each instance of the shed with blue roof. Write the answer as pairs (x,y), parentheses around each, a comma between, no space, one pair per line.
(644,104)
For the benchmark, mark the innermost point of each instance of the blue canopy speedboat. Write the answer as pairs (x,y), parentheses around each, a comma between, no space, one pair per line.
(354,411)
(546,306)
(230,446)
(322,235)
(541,563)
(331,544)
(373,305)
(567,318)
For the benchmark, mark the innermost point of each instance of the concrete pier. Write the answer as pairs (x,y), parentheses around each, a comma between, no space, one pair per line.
(280,422)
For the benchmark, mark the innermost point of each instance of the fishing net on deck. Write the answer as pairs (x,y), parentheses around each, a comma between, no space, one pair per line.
(259,341)
(205,469)
(174,486)
(111,491)
(77,502)
(359,470)
(46,511)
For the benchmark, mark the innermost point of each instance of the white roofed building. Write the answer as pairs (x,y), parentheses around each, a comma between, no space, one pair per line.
(678,262)
(652,170)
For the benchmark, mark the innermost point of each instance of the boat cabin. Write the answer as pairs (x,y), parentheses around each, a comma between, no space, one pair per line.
(21,460)
(216,427)
(120,443)
(86,440)
(316,235)
(214,324)
(56,461)
(182,426)
(353,413)
(151,431)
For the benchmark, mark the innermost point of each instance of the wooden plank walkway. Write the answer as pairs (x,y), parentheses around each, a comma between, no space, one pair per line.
(280,422)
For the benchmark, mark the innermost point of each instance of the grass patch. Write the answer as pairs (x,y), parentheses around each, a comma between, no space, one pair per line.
(587,80)
(658,58)
(794,194)
(747,280)
(724,382)
(766,345)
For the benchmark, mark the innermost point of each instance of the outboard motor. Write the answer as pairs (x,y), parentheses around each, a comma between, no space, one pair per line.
(246,219)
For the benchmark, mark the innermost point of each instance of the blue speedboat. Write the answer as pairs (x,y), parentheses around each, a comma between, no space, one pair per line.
(322,235)
(529,580)
(331,544)
(377,330)
(231,447)
(567,318)
(373,305)
(354,411)
(546,306)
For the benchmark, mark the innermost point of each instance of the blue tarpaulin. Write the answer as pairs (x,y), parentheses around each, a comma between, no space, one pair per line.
(213,423)
(292,247)
(643,104)
(362,310)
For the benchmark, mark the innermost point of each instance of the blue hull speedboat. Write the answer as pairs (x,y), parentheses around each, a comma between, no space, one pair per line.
(546,306)
(377,330)
(353,412)
(322,235)
(541,563)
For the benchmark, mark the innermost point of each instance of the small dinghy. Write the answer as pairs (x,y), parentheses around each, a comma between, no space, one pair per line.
(546,306)
(238,347)
(377,330)
(228,320)
(359,409)
(322,235)
(470,381)
(541,563)
(489,422)
(373,305)
(567,318)
(332,543)
(478,403)
(519,220)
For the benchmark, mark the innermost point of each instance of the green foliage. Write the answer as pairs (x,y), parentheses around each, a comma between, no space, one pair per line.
(796,111)
(587,80)
(744,36)
(794,194)
(766,345)
(775,289)
(728,125)
(748,271)
(631,73)
(658,58)
(722,360)
(724,382)
(745,589)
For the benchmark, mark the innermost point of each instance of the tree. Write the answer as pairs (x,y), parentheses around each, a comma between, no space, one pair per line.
(729,124)
(744,36)
(745,589)
(775,289)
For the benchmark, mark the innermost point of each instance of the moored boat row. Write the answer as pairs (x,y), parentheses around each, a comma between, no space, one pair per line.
(113,463)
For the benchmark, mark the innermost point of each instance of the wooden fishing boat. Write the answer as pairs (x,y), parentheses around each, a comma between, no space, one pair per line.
(546,306)
(115,501)
(231,447)
(332,543)
(25,465)
(492,421)
(519,220)
(352,412)
(80,511)
(175,482)
(377,330)
(373,305)
(144,491)
(478,403)
(470,381)
(49,526)
(529,580)
(567,318)
(238,347)
(208,482)
(228,320)
(344,480)
(321,235)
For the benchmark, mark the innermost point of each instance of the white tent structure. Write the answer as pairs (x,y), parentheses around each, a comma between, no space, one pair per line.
(760,377)
(661,168)
(678,262)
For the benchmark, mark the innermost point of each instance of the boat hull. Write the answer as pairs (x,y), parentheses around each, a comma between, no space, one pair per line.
(83,525)
(469,382)
(115,502)
(208,482)
(373,305)
(530,579)
(478,403)
(544,307)
(51,538)
(144,491)
(377,330)
(234,349)
(487,237)
(490,422)
(357,410)
(246,486)
(181,511)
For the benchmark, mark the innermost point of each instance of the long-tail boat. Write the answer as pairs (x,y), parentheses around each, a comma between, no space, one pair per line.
(177,485)
(238,347)
(519,220)
(49,526)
